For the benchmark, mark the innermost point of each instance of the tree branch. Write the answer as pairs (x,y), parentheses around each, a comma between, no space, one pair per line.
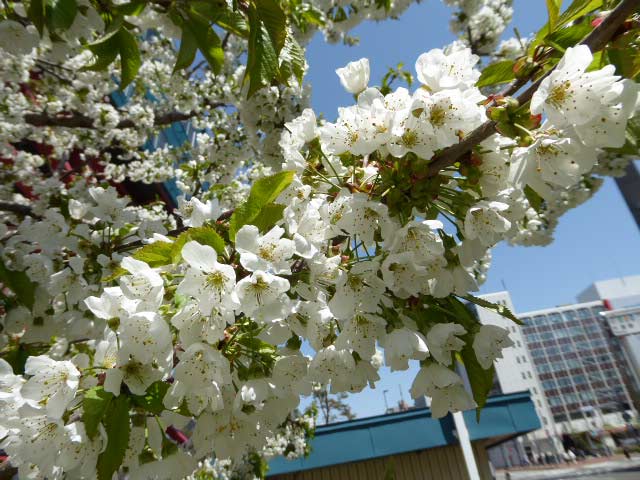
(596,40)
(78,120)
(16,208)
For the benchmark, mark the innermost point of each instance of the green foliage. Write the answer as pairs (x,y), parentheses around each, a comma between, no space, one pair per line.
(187,51)
(118,427)
(499,309)
(262,62)
(569,36)
(155,254)
(274,54)
(20,284)
(577,9)
(497,73)
(151,401)
(203,235)
(117,42)
(264,192)
(129,56)
(60,14)
(207,41)
(393,74)
(481,380)
(553,8)
(268,216)
(37,14)
(94,405)
(624,53)
(292,59)
(535,200)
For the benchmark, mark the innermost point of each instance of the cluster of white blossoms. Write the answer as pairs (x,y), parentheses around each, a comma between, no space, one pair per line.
(480,23)
(142,342)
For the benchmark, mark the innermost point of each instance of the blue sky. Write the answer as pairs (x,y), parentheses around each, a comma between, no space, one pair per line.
(596,241)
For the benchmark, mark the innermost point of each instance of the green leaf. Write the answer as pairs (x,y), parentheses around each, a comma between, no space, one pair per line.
(292,60)
(624,53)
(535,200)
(481,380)
(208,42)
(262,60)
(118,428)
(553,8)
(94,405)
(17,357)
(268,216)
(37,13)
(203,235)
(61,14)
(496,73)
(274,20)
(577,9)
(234,22)
(105,49)
(20,284)
(187,52)
(208,10)
(499,309)
(155,254)
(568,37)
(133,8)
(263,192)
(129,56)
(152,400)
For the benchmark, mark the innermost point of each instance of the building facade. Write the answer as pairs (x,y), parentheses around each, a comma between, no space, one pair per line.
(578,366)
(624,326)
(516,372)
(580,362)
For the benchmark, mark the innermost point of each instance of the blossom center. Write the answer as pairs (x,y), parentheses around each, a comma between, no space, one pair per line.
(560,93)
(215,280)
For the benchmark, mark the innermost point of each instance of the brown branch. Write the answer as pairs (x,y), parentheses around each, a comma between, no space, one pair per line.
(596,40)
(16,208)
(78,120)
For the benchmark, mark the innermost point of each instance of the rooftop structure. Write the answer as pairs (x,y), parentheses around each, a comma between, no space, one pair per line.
(346,449)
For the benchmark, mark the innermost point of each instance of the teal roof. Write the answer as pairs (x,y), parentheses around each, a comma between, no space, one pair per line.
(503,416)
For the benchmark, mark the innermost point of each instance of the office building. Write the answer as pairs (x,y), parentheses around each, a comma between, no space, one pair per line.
(578,366)
(575,362)
(624,325)
(615,293)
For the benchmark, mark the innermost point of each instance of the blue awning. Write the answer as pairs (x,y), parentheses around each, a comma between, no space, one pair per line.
(357,440)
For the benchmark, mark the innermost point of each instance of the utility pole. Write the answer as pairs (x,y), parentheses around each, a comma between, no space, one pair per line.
(629,187)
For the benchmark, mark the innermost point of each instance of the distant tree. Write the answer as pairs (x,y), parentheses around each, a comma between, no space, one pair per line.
(332,407)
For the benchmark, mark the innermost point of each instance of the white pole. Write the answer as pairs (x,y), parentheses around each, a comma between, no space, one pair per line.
(465,443)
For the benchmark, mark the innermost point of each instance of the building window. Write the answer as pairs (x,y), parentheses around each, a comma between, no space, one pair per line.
(517,359)
(529,375)
(524,377)
(535,390)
